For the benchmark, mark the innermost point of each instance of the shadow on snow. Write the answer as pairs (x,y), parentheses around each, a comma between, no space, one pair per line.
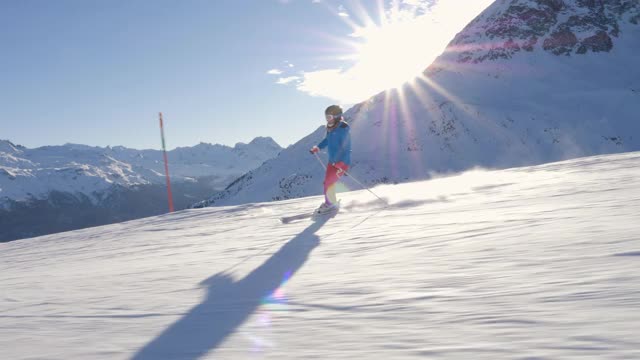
(229,303)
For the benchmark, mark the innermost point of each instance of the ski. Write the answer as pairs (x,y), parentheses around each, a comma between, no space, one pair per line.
(309,215)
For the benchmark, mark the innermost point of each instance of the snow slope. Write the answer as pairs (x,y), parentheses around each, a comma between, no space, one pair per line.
(526,82)
(533,262)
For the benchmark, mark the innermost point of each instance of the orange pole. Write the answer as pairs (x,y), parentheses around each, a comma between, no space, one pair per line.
(166,166)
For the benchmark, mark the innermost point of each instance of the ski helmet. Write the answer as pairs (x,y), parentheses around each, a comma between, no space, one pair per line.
(334,110)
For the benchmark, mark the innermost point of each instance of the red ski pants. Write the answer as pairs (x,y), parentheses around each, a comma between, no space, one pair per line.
(333,174)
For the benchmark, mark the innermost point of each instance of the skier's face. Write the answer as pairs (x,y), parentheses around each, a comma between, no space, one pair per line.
(331,119)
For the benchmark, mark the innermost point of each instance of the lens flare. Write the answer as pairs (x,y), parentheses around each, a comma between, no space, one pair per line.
(278,295)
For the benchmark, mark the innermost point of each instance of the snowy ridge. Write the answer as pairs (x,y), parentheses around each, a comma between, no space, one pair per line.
(532,262)
(73,168)
(489,101)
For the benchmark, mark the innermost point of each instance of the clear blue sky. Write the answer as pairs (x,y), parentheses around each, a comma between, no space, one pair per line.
(97,72)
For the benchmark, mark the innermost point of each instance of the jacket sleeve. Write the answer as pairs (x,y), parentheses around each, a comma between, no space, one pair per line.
(323,143)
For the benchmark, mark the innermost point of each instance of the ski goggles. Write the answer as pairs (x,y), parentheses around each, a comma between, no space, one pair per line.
(330,117)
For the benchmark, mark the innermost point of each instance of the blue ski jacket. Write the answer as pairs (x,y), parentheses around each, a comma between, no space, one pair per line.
(339,142)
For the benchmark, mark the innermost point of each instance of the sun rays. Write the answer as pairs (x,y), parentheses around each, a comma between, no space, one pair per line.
(384,50)
(390,52)
(388,43)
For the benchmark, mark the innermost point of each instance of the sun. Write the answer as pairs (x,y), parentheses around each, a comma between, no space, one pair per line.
(393,46)
(394,52)
(389,46)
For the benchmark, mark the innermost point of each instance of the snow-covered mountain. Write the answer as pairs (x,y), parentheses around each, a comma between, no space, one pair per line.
(73,168)
(527,263)
(526,82)
(51,178)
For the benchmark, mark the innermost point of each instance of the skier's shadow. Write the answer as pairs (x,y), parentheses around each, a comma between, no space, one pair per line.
(230,303)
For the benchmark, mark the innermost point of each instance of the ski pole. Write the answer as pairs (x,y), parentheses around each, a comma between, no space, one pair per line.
(366,188)
(354,179)
(321,163)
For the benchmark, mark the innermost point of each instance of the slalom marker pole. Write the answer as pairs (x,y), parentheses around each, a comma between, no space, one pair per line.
(166,166)
(354,179)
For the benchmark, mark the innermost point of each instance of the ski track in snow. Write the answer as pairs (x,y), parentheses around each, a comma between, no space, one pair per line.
(536,262)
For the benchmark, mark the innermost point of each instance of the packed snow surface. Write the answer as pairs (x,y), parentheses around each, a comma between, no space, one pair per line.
(536,262)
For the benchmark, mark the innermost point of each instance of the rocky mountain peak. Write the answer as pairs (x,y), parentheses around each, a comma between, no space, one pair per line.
(561,27)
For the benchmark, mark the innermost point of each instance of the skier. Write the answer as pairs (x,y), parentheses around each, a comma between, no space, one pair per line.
(338,141)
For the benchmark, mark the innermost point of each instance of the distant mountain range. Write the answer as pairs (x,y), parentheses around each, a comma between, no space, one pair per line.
(526,82)
(56,188)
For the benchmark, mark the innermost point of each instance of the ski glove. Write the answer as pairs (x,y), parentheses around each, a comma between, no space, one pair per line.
(314,150)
